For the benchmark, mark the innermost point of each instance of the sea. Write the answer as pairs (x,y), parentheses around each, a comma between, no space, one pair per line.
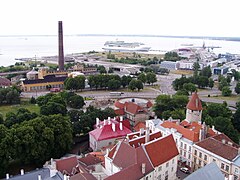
(12,47)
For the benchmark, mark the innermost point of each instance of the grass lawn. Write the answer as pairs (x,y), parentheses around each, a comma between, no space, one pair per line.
(225,98)
(13,108)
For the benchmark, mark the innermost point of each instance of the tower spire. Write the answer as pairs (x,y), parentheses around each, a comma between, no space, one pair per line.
(60,47)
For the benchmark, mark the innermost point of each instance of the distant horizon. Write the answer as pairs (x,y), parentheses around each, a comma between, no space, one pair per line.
(228,38)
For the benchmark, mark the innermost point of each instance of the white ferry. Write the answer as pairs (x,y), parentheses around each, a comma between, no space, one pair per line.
(122,46)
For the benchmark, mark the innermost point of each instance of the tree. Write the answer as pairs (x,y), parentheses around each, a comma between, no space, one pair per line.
(102,69)
(1,118)
(114,84)
(139,85)
(163,71)
(189,87)
(206,71)
(202,81)
(110,70)
(151,78)
(211,83)
(226,91)
(53,108)
(70,84)
(132,84)
(76,102)
(236,119)
(80,80)
(237,88)
(222,82)
(33,100)
(124,81)
(196,67)
(171,56)
(142,77)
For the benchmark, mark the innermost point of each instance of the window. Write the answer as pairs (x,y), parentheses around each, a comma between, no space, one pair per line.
(227,168)
(200,162)
(181,144)
(205,157)
(185,146)
(189,156)
(173,161)
(147,178)
(172,169)
(181,152)
(166,173)
(159,177)
(184,153)
(159,168)
(236,170)
(222,166)
(195,152)
(167,164)
(190,148)
(195,160)
(214,160)
(166,177)
(204,164)
(200,154)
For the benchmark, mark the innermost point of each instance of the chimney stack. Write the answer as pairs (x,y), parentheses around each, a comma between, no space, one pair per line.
(60,47)
(223,141)
(143,168)
(39,177)
(109,120)
(121,126)
(141,131)
(104,122)
(147,135)
(121,118)
(113,127)
(97,121)
(7,176)
(22,172)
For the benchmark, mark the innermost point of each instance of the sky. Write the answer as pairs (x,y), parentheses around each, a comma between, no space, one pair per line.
(151,17)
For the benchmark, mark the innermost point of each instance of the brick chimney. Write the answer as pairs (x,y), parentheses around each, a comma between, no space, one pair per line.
(60,47)
(143,168)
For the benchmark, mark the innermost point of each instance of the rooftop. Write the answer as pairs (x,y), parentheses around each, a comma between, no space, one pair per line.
(220,145)
(194,103)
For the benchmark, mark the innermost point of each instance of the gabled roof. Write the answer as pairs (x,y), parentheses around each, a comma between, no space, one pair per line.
(90,160)
(133,108)
(67,165)
(136,142)
(209,172)
(83,176)
(106,132)
(161,150)
(130,160)
(186,133)
(139,125)
(194,103)
(219,145)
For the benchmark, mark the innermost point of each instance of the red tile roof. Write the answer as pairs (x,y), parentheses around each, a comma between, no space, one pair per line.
(215,145)
(99,155)
(139,125)
(130,160)
(119,112)
(90,160)
(136,142)
(67,165)
(161,150)
(83,176)
(194,103)
(133,108)
(187,133)
(106,132)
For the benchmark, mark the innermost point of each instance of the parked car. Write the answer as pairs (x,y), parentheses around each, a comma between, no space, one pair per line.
(185,170)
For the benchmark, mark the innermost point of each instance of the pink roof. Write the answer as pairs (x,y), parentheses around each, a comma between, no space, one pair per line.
(106,132)
(161,150)
(67,165)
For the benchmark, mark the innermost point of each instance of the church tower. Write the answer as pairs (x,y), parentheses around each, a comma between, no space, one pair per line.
(194,109)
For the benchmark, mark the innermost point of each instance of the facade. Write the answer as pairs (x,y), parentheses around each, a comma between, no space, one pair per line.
(219,149)
(143,156)
(134,109)
(170,65)
(187,132)
(107,133)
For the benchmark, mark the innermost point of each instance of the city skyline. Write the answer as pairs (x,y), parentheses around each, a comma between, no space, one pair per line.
(152,17)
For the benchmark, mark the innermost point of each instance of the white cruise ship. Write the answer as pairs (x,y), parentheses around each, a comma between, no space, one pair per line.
(122,46)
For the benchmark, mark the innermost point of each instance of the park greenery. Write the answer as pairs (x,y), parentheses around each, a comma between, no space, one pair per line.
(28,138)
(185,85)
(218,115)
(10,95)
